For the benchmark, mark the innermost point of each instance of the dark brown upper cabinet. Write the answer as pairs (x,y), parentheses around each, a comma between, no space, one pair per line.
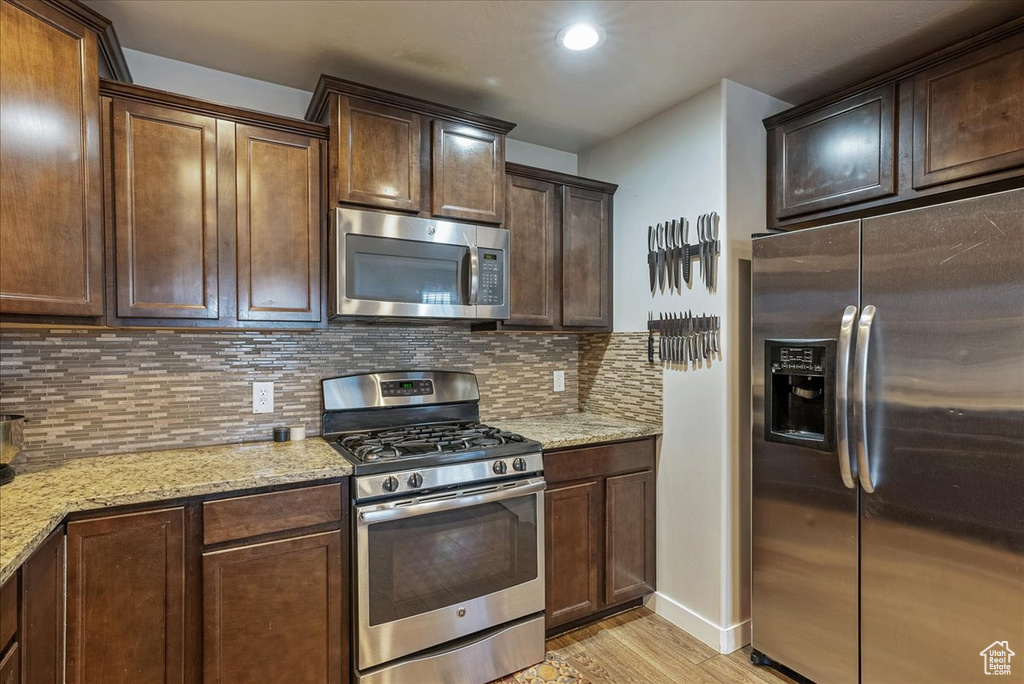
(561,264)
(51,231)
(402,153)
(165,229)
(278,195)
(467,173)
(835,156)
(969,115)
(51,227)
(376,156)
(950,124)
(533,217)
(216,215)
(586,258)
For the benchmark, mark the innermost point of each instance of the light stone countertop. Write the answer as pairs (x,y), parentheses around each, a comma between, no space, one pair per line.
(578,429)
(36,502)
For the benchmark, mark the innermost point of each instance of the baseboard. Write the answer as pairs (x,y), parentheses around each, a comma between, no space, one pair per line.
(725,640)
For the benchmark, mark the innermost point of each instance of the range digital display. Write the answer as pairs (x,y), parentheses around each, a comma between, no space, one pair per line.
(490,256)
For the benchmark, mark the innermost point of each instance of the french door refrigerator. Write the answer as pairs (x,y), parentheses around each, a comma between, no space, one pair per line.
(888,446)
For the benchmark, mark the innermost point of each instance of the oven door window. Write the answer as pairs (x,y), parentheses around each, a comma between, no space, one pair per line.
(436,560)
(393,270)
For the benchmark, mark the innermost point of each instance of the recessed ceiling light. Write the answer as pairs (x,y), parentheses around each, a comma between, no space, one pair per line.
(581,36)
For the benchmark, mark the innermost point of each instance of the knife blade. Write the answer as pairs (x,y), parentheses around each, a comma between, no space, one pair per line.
(670,255)
(660,232)
(652,259)
(679,255)
(700,244)
(714,247)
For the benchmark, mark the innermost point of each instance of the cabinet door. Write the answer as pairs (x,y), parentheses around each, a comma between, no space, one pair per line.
(586,262)
(10,666)
(969,115)
(572,551)
(42,613)
(531,215)
(125,604)
(468,173)
(834,156)
(272,612)
(376,154)
(629,537)
(278,225)
(165,226)
(51,225)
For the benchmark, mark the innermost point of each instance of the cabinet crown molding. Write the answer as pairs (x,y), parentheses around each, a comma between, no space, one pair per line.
(328,85)
(560,178)
(927,61)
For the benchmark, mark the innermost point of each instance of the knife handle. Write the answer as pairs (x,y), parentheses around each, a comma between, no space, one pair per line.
(650,346)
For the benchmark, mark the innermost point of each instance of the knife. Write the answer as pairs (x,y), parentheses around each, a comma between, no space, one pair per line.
(652,259)
(650,337)
(670,253)
(714,248)
(660,233)
(700,243)
(679,255)
(661,337)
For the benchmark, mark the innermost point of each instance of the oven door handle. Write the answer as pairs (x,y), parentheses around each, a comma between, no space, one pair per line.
(399,511)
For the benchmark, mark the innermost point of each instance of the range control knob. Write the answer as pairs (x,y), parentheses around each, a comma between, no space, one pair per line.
(519,464)
(390,483)
(500,467)
(415,480)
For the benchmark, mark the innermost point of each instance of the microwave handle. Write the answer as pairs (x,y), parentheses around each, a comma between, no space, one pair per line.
(532,486)
(474,274)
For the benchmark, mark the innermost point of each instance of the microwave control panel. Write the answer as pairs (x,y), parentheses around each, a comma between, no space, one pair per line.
(406,388)
(492,278)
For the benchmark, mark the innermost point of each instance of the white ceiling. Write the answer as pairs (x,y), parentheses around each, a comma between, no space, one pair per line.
(498,57)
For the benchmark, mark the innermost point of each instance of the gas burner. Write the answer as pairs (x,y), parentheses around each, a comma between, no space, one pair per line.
(420,440)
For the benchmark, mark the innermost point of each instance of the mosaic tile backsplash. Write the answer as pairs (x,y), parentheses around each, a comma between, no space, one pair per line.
(89,392)
(615,378)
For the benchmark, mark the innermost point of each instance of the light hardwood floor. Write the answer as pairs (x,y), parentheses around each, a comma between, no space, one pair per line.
(639,647)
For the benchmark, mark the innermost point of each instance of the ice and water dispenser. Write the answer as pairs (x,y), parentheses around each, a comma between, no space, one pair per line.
(800,393)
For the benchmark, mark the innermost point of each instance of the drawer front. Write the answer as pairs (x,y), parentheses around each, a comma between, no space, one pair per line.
(835,156)
(599,461)
(8,611)
(251,516)
(969,115)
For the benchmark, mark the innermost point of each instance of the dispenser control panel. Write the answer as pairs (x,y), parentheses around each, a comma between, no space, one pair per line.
(807,360)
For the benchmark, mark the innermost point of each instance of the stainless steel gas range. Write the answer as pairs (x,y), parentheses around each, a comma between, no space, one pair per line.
(448,529)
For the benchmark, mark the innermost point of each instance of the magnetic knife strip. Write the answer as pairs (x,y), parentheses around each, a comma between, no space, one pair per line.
(683,338)
(669,253)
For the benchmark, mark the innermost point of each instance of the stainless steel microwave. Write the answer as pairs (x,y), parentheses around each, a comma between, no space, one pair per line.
(388,265)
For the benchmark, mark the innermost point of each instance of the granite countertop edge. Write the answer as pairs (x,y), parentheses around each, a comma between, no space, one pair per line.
(37,502)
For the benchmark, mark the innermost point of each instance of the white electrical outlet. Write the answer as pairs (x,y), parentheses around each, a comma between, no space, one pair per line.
(559,381)
(262,397)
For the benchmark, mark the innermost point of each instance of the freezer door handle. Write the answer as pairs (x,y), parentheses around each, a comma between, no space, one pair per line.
(842,395)
(860,397)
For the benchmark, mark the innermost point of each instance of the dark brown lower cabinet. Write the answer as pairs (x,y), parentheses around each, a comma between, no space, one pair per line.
(10,666)
(42,613)
(272,612)
(125,599)
(572,552)
(600,529)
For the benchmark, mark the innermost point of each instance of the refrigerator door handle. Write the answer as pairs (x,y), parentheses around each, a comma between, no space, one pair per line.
(860,397)
(842,395)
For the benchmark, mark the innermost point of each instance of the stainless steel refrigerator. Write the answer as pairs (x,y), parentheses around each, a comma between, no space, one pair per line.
(888,446)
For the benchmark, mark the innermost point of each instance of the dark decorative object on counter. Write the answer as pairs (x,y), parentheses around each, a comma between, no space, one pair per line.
(282,434)
(11,438)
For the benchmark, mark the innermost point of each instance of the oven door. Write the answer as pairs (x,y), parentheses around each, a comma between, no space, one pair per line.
(441,567)
(385,265)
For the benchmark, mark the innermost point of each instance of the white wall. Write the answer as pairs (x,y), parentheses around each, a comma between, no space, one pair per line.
(522,152)
(681,163)
(219,86)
